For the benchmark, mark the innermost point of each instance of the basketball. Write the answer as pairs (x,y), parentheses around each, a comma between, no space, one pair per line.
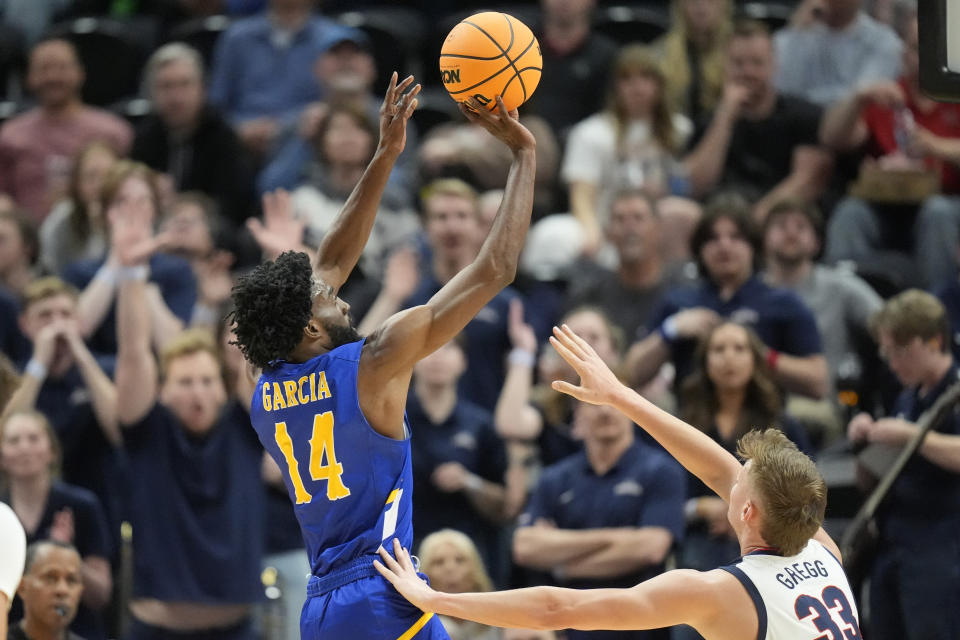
(490,54)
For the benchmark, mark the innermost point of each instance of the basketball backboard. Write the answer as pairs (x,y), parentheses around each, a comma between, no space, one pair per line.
(939,29)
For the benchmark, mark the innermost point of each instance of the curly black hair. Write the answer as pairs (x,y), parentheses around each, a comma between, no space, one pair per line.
(272,305)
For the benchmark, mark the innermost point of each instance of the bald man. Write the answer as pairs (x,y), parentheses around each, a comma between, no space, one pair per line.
(50,590)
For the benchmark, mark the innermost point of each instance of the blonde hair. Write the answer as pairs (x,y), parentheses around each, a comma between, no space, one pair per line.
(639,59)
(676,64)
(913,314)
(450,187)
(480,579)
(48,287)
(186,343)
(792,493)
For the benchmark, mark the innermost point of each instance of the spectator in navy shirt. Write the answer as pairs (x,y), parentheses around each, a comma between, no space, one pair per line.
(263,69)
(69,385)
(725,244)
(459,460)
(130,191)
(914,581)
(605,517)
(29,455)
(196,496)
(451,218)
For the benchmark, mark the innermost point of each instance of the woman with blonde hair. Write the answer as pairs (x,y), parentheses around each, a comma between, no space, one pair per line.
(631,144)
(692,54)
(452,563)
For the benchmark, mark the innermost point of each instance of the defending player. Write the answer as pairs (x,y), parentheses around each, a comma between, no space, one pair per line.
(789,584)
(329,406)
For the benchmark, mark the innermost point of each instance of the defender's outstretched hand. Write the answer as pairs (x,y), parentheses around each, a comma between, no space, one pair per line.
(403,576)
(504,125)
(598,384)
(396,109)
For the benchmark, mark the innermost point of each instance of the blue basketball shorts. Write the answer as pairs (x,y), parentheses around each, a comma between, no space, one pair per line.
(366,609)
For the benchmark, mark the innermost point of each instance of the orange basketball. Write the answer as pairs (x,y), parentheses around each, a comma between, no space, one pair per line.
(490,54)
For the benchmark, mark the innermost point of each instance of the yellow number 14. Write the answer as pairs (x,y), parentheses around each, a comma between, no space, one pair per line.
(321,446)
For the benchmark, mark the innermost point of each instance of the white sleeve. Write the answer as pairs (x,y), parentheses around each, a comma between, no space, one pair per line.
(13,543)
(590,148)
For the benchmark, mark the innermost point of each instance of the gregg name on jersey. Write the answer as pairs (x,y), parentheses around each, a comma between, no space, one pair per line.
(794,574)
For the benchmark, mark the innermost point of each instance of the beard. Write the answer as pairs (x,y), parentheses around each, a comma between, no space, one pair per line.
(341,334)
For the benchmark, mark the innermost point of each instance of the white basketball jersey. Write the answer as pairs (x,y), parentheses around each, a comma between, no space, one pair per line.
(803,597)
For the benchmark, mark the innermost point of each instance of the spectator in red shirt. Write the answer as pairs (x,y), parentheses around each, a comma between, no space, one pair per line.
(37,148)
(899,127)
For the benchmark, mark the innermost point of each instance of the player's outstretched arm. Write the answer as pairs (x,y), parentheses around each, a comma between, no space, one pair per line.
(391,351)
(676,597)
(344,242)
(692,448)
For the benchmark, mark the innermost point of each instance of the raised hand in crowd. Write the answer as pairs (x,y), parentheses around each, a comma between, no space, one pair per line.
(280,230)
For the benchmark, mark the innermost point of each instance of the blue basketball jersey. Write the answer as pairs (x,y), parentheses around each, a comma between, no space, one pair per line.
(351,487)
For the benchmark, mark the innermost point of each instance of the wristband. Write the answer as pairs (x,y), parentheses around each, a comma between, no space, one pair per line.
(138,273)
(690,509)
(36,369)
(106,273)
(668,329)
(772,356)
(204,315)
(472,483)
(522,357)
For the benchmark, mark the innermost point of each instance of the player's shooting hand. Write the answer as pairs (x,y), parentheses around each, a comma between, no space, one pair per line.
(395,111)
(504,125)
(401,573)
(597,382)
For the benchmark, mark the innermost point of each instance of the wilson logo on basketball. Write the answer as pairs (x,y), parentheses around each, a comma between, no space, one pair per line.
(450,75)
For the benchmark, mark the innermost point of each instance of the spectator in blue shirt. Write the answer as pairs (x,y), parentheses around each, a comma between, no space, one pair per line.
(263,69)
(605,517)
(130,191)
(345,72)
(725,244)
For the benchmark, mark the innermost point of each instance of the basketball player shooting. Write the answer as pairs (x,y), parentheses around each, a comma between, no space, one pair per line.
(789,584)
(329,405)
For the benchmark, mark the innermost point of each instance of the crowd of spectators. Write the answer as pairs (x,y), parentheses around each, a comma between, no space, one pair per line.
(741,216)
